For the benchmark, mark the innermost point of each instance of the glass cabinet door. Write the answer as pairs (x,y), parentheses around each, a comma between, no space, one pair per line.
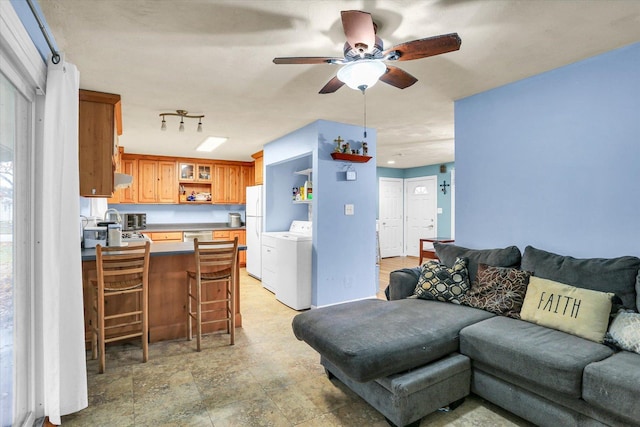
(204,172)
(187,171)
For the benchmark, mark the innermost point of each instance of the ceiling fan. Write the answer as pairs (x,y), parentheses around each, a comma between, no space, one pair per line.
(364,54)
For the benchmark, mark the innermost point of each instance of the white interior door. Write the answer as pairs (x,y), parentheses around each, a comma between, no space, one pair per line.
(421,199)
(390,217)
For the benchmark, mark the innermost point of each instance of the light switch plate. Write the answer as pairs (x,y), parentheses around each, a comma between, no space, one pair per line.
(351,175)
(348,209)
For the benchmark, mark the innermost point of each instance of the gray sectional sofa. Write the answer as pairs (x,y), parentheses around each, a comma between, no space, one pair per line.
(408,357)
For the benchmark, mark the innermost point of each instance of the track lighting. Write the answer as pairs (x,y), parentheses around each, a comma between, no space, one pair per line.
(182,114)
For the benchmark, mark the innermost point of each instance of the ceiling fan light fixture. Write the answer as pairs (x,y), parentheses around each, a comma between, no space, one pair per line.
(361,74)
(181,128)
(200,126)
(163,126)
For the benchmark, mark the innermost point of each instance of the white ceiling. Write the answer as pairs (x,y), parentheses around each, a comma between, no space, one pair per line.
(214,57)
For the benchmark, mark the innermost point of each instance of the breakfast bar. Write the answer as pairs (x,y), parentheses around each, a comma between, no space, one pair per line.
(167,290)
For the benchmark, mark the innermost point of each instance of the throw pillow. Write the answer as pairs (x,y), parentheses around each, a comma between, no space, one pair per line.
(624,331)
(447,253)
(498,290)
(439,282)
(577,311)
(617,275)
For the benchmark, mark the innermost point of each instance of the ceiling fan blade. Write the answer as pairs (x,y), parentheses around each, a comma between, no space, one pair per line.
(358,27)
(423,48)
(308,60)
(397,77)
(333,85)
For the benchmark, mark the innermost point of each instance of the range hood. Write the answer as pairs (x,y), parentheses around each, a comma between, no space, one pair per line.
(122,180)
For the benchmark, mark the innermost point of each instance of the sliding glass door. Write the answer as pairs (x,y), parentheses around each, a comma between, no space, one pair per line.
(16,311)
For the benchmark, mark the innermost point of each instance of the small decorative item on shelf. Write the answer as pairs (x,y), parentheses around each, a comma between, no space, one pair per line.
(365,149)
(346,148)
(338,142)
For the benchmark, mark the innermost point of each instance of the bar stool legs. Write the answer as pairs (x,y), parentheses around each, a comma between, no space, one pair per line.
(215,265)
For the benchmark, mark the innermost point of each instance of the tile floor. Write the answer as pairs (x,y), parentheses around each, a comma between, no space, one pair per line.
(267,379)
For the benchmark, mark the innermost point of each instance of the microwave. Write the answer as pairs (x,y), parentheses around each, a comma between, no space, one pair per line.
(134,221)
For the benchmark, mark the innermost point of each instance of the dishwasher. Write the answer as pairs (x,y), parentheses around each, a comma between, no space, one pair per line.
(202,236)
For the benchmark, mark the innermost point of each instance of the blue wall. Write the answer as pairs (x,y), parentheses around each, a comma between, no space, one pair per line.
(554,160)
(444,200)
(344,247)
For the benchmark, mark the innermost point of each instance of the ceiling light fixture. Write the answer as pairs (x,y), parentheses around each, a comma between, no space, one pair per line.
(361,74)
(211,143)
(182,114)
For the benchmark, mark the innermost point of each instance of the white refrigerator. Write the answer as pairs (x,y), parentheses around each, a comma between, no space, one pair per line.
(253,221)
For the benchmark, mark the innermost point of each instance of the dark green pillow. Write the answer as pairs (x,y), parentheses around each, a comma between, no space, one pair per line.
(507,257)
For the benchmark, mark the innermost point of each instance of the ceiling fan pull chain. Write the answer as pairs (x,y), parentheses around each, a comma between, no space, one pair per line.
(364,93)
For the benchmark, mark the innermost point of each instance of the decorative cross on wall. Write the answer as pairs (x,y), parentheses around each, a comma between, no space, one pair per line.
(444,186)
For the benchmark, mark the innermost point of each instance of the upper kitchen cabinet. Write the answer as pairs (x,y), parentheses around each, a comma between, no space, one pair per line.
(230,181)
(226,180)
(257,167)
(195,172)
(100,123)
(157,181)
(127,165)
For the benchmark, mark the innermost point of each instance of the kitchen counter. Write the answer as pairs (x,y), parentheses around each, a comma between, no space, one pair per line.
(207,226)
(167,290)
(160,249)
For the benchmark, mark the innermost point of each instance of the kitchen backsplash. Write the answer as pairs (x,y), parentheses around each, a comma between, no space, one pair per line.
(174,214)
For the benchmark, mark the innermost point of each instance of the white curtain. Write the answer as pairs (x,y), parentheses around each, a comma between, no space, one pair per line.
(65,377)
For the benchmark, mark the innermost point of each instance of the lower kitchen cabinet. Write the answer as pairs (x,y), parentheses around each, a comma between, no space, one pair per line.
(242,240)
(169,236)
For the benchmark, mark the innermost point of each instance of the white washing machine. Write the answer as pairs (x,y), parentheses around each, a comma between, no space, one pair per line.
(286,264)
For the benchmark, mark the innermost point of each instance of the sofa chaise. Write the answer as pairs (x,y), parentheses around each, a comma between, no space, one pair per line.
(409,356)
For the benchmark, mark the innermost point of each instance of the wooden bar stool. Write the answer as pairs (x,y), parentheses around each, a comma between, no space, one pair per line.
(122,273)
(215,263)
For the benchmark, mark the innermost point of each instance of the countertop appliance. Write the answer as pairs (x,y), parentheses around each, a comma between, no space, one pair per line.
(134,221)
(95,235)
(286,264)
(253,224)
(235,220)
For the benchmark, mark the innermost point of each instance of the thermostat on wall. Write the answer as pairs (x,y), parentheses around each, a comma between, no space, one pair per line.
(351,175)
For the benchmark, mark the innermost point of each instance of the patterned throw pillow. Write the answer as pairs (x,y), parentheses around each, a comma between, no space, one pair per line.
(624,331)
(498,290)
(439,282)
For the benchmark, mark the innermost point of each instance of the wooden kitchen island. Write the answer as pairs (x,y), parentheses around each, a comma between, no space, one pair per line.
(167,291)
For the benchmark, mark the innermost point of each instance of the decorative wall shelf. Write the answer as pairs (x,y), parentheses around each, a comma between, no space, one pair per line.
(355,158)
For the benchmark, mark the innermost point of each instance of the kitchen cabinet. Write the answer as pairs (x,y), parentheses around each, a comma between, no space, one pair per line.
(99,124)
(195,172)
(242,240)
(230,182)
(194,178)
(230,235)
(226,181)
(167,236)
(257,168)
(127,166)
(246,180)
(221,234)
(157,181)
